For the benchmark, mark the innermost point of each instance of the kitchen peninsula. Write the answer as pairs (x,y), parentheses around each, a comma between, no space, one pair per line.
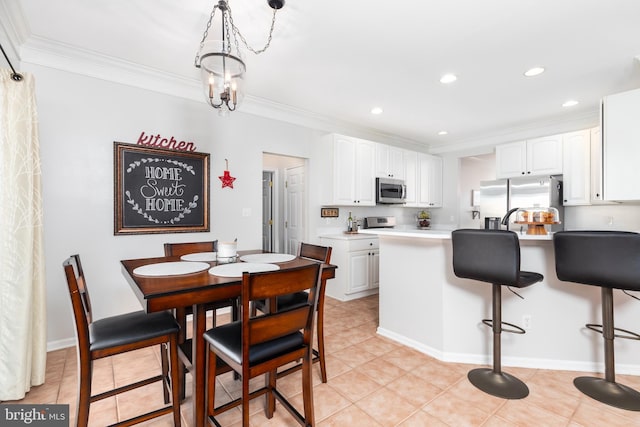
(425,306)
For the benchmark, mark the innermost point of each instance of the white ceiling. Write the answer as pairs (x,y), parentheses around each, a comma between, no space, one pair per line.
(333,60)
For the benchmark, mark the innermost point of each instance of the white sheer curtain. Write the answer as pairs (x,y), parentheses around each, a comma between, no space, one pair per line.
(23,329)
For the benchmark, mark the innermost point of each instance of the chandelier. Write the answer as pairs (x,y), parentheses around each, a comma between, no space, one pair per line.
(221,66)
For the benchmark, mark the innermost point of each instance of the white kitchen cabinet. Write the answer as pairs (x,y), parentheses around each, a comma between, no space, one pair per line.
(353,175)
(411,178)
(423,177)
(621,146)
(358,260)
(389,162)
(434,181)
(538,156)
(576,167)
(597,197)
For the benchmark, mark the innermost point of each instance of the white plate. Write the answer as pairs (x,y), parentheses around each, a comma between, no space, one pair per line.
(171,268)
(199,256)
(236,269)
(267,258)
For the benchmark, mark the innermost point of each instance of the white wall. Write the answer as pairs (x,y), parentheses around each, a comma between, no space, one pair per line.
(80,118)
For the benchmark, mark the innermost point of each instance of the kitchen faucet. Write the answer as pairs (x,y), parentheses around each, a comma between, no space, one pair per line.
(505,219)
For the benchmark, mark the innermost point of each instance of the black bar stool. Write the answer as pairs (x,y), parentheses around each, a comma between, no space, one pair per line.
(493,256)
(610,260)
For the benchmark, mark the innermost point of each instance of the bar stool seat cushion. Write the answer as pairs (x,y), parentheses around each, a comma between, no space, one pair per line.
(528,278)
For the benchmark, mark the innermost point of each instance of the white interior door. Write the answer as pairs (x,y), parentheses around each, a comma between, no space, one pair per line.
(267,211)
(294,202)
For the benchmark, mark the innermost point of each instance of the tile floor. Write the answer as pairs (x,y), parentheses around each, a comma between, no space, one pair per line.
(372,382)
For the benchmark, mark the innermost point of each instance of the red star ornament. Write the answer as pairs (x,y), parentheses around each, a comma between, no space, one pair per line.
(227,180)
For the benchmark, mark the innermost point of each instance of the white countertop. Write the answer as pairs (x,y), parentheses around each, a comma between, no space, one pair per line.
(348,236)
(434,234)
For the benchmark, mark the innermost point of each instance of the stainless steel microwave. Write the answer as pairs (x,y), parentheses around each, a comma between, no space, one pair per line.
(390,191)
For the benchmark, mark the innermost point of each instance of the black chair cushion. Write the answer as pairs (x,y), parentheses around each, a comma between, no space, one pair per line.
(609,259)
(130,328)
(285,301)
(228,339)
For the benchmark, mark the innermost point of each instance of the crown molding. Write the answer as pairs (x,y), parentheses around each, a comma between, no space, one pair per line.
(13,28)
(555,125)
(60,56)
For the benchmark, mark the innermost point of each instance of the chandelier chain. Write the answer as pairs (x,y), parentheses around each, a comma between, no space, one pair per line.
(205,35)
(238,35)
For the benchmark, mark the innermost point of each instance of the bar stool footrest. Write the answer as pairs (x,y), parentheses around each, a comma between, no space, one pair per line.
(515,329)
(628,335)
(610,393)
(499,384)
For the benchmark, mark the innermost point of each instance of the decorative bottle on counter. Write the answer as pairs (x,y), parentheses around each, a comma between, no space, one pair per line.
(350,223)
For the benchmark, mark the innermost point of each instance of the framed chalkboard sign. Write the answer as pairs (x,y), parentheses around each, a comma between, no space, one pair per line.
(159,191)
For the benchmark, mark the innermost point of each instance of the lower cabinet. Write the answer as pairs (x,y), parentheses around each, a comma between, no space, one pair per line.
(358,260)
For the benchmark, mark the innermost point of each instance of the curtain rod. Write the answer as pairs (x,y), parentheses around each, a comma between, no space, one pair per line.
(14,75)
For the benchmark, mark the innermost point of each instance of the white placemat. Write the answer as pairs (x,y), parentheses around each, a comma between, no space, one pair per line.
(170,268)
(267,258)
(236,269)
(199,256)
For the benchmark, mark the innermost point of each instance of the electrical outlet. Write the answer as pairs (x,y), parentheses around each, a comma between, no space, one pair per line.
(526,321)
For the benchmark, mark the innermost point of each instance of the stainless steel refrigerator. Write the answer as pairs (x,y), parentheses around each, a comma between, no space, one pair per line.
(500,196)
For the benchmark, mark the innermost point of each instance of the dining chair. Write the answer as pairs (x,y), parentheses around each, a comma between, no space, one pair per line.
(120,334)
(316,253)
(186,248)
(259,344)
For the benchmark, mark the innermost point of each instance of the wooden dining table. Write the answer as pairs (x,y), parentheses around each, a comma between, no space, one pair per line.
(158,293)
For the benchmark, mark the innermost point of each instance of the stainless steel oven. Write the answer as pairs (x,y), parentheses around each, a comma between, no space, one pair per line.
(390,191)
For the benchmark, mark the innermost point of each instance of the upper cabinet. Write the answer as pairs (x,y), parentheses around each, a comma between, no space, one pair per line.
(423,179)
(353,172)
(596,166)
(621,146)
(354,164)
(539,156)
(389,162)
(430,171)
(576,167)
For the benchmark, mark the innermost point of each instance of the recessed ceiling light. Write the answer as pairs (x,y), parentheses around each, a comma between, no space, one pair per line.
(570,103)
(443,132)
(534,71)
(376,110)
(448,78)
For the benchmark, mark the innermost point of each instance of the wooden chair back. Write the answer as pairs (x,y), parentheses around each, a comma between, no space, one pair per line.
(315,252)
(268,286)
(179,249)
(80,301)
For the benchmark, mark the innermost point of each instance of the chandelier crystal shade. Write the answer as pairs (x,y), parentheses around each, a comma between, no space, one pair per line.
(222,69)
